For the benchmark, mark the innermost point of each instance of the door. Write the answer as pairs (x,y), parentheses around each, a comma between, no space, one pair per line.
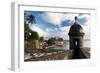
(76,48)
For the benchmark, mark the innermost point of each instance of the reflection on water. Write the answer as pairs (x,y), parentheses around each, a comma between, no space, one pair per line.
(86,43)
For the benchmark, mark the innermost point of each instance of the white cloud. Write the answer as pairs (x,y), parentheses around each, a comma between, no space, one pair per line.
(64,32)
(69,16)
(40,31)
(52,32)
(54,18)
(87,18)
(61,32)
(49,30)
(57,18)
(87,30)
(87,25)
(65,28)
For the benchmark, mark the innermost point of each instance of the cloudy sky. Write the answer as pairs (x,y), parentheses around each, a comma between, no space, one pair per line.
(50,24)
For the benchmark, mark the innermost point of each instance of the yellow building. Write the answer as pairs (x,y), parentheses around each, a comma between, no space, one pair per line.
(32,40)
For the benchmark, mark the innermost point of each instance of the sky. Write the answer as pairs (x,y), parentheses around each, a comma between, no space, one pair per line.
(53,24)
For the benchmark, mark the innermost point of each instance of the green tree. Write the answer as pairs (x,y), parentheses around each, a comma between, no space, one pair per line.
(26,26)
(41,38)
(33,35)
(60,39)
(51,41)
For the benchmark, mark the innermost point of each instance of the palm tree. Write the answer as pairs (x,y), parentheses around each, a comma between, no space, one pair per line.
(32,19)
(26,26)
